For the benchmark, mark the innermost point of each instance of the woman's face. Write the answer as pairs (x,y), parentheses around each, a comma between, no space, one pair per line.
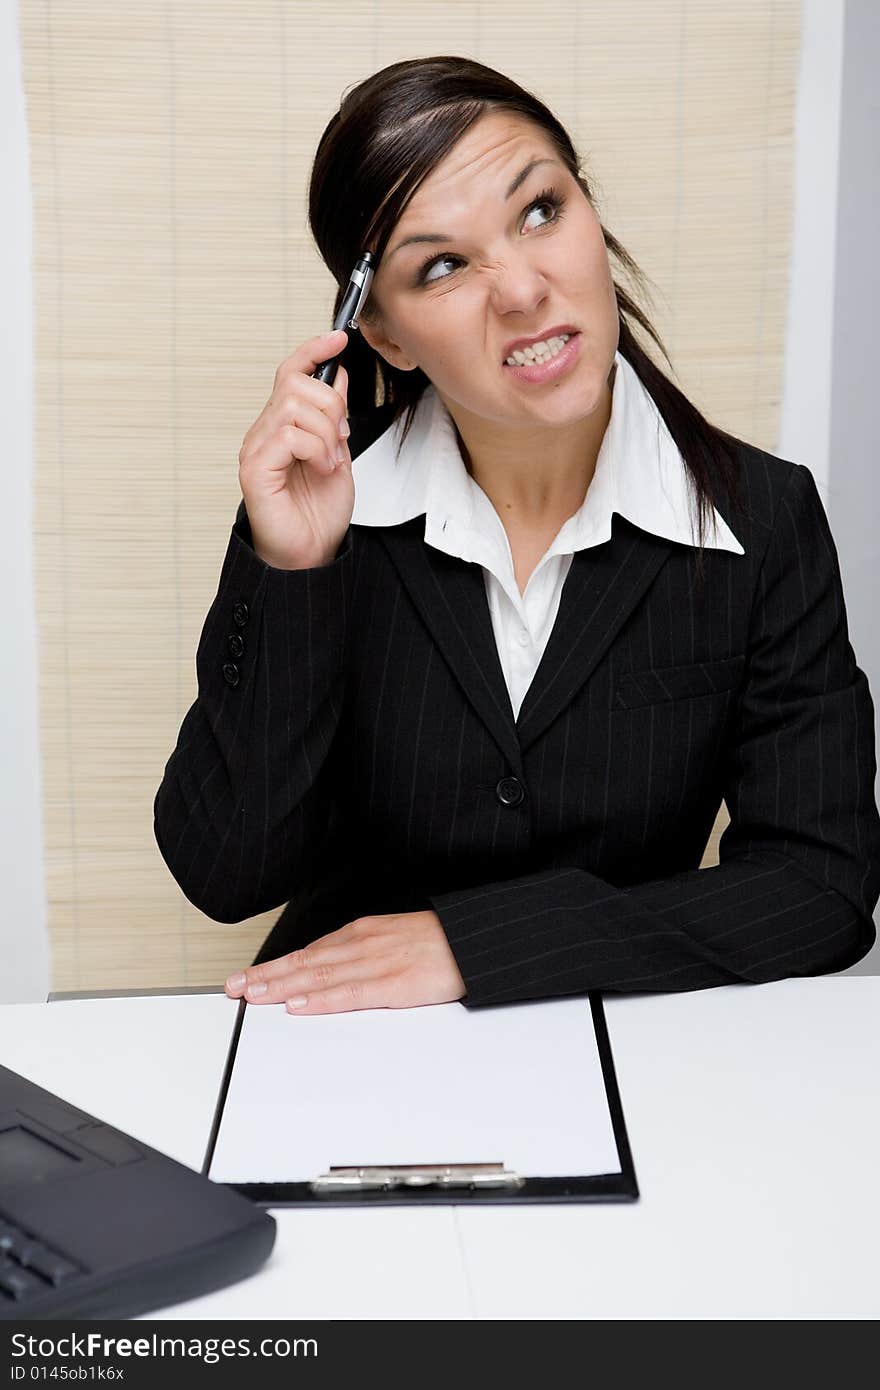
(489,268)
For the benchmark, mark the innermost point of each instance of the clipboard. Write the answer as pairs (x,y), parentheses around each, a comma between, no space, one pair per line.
(433,1179)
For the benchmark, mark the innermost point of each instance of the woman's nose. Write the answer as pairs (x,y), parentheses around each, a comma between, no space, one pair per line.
(517,286)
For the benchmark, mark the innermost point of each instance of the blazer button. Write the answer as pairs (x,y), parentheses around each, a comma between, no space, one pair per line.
(509,791)
(240,614)
(234,644)
(230,673)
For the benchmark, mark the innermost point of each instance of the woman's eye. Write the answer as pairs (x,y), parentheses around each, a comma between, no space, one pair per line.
(545,201)
(425,278)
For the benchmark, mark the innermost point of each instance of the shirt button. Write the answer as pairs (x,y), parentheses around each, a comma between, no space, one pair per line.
(234,644)
(509,791)
(524,638)
(230,673)
(240,614)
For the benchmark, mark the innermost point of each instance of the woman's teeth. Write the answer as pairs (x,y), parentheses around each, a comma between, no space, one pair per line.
(538,352)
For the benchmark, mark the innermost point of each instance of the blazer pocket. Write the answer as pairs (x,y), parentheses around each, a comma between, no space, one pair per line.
(658,683)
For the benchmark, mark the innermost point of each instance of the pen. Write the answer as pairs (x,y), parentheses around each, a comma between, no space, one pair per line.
(352,303)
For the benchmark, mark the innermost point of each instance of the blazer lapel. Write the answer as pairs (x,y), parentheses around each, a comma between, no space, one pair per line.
(603,586)
(451,597)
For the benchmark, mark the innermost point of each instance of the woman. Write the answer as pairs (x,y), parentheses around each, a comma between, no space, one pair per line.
(469,701)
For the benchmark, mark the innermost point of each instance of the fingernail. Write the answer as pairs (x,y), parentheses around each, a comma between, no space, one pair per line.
(340,454)
(236,981)
(299,1002)
(257,989)
(344,429)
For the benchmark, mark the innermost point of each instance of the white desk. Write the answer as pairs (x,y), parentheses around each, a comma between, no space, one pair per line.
(754,1121)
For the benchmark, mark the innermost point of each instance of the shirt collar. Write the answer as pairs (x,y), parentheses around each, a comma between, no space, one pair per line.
(639,473)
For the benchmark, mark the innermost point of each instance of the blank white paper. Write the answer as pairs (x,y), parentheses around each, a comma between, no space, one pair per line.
(520,1085)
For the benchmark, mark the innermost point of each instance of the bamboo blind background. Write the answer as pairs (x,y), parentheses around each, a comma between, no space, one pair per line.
(173,271)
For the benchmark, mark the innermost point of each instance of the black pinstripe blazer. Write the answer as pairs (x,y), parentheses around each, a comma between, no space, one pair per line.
(352,750)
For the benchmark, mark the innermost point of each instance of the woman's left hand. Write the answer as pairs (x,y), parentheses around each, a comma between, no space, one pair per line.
(395,961)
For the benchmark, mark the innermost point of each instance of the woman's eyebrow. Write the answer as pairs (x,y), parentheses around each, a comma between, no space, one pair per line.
(444,236)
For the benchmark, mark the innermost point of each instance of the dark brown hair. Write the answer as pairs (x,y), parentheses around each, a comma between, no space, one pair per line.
(390,131)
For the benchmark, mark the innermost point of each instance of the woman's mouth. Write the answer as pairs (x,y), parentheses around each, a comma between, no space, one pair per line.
(545,361)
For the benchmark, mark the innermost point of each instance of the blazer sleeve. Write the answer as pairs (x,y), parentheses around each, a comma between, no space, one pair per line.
(799,871)
(247,791)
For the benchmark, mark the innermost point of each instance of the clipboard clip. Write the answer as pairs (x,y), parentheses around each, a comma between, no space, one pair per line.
(417,1175)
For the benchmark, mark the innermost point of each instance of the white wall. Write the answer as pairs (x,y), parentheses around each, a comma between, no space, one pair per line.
(854,439)
(805,417)
(24,951)
(805,434)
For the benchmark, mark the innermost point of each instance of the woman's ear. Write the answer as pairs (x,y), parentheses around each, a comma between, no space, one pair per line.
(373,332)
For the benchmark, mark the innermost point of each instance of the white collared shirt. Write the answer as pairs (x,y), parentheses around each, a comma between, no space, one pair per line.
(639,473)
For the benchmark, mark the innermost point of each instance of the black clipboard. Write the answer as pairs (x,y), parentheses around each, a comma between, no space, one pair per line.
(409,1184)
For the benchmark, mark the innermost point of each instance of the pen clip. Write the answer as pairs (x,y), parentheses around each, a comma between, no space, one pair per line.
(362,275)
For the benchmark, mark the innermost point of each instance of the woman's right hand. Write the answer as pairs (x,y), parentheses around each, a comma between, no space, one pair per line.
(299,501)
